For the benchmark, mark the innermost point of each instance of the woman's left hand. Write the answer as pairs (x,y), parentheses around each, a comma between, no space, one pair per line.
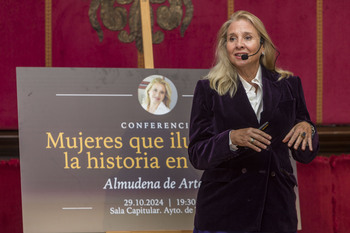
(300,134)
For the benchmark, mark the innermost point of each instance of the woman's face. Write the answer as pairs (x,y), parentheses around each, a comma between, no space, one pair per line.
(157,93)
(243,38)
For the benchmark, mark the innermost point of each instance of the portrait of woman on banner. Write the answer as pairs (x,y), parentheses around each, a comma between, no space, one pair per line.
(157,96)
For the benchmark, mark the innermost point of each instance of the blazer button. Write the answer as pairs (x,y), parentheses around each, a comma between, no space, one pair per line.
(273,174)
(244,170)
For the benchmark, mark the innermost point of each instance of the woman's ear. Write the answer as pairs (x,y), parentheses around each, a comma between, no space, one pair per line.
(262,40)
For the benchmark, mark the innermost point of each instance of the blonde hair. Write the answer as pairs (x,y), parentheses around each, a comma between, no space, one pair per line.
(223,76)
(167,98)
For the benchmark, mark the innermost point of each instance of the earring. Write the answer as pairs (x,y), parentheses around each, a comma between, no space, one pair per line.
(263,53)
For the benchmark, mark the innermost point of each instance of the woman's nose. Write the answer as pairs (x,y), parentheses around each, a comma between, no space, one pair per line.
(239,43)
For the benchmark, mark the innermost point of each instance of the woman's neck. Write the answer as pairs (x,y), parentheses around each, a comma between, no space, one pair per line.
(249,73)
(153,107)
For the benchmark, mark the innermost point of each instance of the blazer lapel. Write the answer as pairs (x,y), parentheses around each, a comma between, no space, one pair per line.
(245,109)
(271,96)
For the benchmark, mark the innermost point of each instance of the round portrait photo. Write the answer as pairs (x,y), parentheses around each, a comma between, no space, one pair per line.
(157,94)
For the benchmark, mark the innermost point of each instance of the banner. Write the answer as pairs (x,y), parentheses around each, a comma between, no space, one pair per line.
(95,155)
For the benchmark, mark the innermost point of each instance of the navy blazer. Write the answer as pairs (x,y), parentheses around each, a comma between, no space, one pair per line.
(245,190)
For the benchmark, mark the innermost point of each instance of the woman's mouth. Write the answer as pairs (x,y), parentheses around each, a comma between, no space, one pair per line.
(240,54)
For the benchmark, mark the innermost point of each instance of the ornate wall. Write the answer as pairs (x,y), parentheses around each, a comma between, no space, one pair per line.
(310,35)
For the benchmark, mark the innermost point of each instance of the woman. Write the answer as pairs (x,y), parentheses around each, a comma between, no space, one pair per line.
(158,97)
(248,182)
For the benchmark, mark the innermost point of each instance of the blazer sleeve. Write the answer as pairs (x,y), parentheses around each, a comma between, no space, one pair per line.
(207,148)
(302,114)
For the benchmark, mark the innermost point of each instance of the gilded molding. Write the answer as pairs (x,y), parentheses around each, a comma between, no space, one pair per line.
(230,8)
(319,59)
(48,33)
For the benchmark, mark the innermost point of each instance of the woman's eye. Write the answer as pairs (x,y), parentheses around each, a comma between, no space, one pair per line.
(248,37)
(232,39)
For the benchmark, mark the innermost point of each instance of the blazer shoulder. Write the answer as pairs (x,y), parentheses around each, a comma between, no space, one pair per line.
(293,81)
(203,83)
(203,87)
(274,76)
(292,78)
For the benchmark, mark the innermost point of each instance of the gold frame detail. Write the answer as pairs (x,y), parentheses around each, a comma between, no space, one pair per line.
(230,7)
(319,60)
(48,33)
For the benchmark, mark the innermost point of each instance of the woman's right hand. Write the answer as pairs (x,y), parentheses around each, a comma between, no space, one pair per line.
(253,138)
